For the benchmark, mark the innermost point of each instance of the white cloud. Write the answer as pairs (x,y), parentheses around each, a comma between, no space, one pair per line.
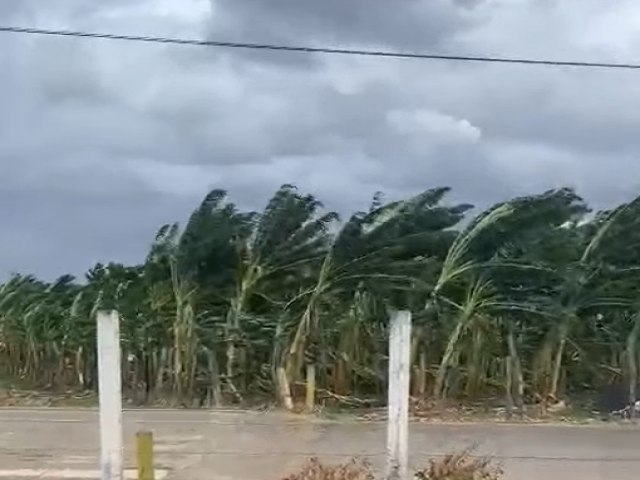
(434,126)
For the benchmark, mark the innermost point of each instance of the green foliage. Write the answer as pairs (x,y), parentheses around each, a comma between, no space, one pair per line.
(223,306)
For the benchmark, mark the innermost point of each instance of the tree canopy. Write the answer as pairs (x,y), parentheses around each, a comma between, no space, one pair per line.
(534,297)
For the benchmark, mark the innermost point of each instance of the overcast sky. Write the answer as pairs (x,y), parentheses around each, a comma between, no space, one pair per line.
(101,141)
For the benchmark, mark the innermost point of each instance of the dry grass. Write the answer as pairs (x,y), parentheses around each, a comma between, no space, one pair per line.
(460,466)
(351,470)
(456,466)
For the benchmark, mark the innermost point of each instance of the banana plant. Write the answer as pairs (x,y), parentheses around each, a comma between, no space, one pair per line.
(378,253)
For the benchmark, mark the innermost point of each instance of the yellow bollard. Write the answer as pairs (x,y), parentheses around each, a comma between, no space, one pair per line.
(145,456)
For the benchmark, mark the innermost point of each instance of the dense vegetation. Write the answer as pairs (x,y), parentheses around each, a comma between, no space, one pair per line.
(535,297)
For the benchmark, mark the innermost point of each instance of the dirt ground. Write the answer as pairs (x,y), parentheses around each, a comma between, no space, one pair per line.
(199,444)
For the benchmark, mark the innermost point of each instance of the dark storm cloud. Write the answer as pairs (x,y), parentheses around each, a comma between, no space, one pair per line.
(102,142)
(403,23)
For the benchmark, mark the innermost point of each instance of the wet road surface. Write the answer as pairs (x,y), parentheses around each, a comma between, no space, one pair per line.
(199,444)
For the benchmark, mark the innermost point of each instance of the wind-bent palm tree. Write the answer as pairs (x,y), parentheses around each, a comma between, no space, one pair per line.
(529,296)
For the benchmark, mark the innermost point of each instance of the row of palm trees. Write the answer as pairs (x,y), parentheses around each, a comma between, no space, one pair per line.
(533,298)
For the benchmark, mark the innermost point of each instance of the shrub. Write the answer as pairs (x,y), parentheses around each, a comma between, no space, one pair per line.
(455,466)
(351,470)
(460,466)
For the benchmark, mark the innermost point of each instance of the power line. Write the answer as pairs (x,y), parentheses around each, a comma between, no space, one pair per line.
(323,50)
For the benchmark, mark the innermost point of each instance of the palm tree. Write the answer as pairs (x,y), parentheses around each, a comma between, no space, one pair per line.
(286,239)
(376,255)
(532,294)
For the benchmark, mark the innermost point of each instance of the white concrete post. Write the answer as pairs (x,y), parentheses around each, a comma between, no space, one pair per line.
(398,403)
(110,393)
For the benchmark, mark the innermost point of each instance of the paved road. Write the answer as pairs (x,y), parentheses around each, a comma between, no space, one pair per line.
(194,445)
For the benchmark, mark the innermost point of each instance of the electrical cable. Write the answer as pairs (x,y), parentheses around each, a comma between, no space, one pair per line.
(321,50)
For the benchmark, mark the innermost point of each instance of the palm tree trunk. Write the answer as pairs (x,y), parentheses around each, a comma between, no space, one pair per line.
(276,357)
(419,360)
(474,377)
(447,358)
(285,389)
(516,370)
(557,363)
(542,365)
(231,362)
(422,384)
(452,380)
(632,340)
(177,350)
(160,369)
(415,348)
(79,364)
(216,390)
(310,399)
(341,376)
(295,355)
(508,386)
(416,338)
(232,334)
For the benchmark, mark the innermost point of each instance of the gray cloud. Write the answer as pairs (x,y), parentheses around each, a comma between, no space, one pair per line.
(101,142)
(405,23)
